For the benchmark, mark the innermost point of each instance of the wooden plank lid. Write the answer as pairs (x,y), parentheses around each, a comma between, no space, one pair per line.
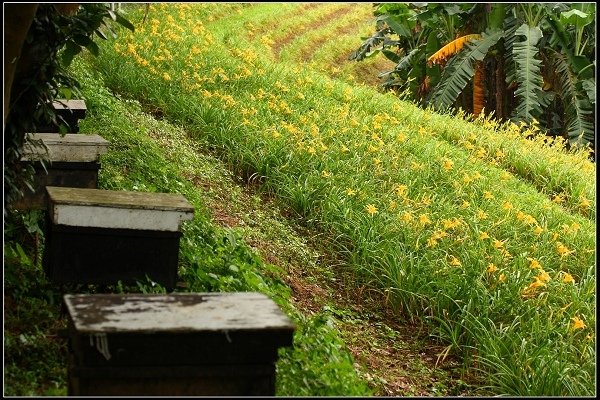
(70,147)
(175,313)
(117,209)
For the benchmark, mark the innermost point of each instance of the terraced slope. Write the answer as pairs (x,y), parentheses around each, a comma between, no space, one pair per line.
(322,36)
(484,237)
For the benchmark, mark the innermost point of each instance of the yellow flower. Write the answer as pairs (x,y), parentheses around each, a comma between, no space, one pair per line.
(543,276)
(454,261)
(465,204)
(166,77)
(505,175)
(507,206)
(558,199)
(401,137)
(577,323)
(376,161)
(325,174)
(498,244)
(345,149)
(401,190)
(562,249)
(568,278)
(532,287)
(481,214)
(483,236)
(491,268)
(502,277)
(393,205)
(312,150)
(447,164)
(371,209)
(533,263)
(422,130)
(583,202)
(528,219)
(538,229)
(424,219)
(451,223)
(431,242)
(488,195)
(575,226)
(350,192)
(406,216)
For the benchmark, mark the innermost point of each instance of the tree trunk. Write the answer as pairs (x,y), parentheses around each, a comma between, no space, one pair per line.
(500,88)
(17,21)
(478,88)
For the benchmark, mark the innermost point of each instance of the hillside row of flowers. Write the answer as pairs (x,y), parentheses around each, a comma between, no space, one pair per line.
(487,237)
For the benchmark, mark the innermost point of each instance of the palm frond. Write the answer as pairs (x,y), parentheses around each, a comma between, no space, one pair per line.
(407,61)
(510,27)
(578,109)
(369,47)
(527,74)
(459,70)
(443,54)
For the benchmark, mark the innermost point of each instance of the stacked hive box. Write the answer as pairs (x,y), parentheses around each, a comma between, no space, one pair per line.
(70,160)
(194,344)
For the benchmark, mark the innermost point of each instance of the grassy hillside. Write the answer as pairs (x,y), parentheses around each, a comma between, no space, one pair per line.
(483,235)
(486,235)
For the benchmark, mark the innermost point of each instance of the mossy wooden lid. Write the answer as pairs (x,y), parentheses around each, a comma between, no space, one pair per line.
(176,312)
(71,147)
(117,209)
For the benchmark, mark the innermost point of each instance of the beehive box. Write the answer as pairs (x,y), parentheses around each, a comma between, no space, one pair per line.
(104,236)
(72,160)
(181,344)
(71,111)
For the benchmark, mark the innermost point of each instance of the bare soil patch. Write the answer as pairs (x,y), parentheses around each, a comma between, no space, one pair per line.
(277,48)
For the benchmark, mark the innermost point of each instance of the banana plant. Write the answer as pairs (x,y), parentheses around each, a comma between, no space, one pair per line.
(526,62)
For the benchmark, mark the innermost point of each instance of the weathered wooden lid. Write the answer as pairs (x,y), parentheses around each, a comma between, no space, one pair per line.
(176,313)
(69,104)
(70,147)
(117,209)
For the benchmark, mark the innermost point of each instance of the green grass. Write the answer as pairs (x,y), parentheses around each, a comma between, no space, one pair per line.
(486,237)
(151,155)
(447,215)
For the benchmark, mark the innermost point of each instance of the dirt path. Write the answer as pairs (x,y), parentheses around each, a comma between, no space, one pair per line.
(395,357)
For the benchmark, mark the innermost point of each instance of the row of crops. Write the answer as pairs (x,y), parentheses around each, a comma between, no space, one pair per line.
(486,236)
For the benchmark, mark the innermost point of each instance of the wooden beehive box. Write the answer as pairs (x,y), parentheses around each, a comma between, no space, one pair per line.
(181,344)
(72,160)
(105,236)
(71,112)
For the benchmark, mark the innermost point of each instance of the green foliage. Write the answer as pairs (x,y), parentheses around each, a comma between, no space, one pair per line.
(51,43)
(33,350)
(318,364)
(385,183)
(528,76)
(460,71)
(525,38)
(578,110)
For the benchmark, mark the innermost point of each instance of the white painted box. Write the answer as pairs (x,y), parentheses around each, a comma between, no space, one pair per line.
(105,236)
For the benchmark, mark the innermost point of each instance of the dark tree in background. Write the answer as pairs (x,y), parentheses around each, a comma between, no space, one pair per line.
(40,41)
